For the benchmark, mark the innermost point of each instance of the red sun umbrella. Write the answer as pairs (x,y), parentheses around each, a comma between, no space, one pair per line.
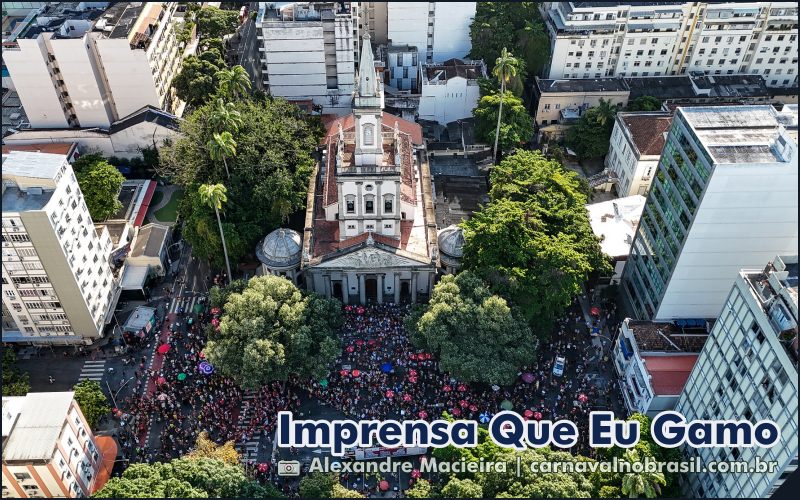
(461,388)
(350,348)
(407,397)
(423,414)
(215,322)
(161,381)
(215,310)
(360,310)
(447,388)
(359,342)
(412,356)
(428,355)
(537,415)
(463,403)
(344,373)
(356,373)
(263,468)
(412,373)
(164,348)
(473,408)
(384,485)
(416,474)
(595,311)
(527,413)
(202,355)
(371,342)
(456,411)
(413,380)
(390,394)
(583,398)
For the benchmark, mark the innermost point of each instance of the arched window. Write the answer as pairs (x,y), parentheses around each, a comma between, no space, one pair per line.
(369,134)
(388,203)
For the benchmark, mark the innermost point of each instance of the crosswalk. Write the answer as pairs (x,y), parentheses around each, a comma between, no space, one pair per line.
(92,370)
(248,449)
(188,304)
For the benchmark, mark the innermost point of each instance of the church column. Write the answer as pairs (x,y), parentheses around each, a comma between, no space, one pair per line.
(360,208)
(380,288)
(362,297)
(396,288)
(414,287)
(345,289)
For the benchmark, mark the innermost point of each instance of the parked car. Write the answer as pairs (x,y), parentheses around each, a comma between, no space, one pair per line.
(558,366)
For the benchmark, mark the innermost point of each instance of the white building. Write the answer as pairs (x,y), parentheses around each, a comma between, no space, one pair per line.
(439,30)
(595,39)
(308,52)
(654,360)
(49,450)
(724,198)
(80,66)
(57,283)
(615,223)
(450,90)
(635,148)
(748,370)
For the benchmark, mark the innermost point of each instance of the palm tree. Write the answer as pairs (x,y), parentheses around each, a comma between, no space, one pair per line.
(214,196)
(504,68)
(233,82)
(222,146)
(635,484)
(605,112)
(224,117)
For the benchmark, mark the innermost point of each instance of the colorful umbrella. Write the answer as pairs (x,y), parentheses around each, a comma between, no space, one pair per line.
(161,381)
(537,415)
(263,468)
(205,368)
(390,394)
(473,408)
(350,348)
(356,373)
(412,356)
(371,342)
(463,403)
(447,388)
(360,310)
(412,372)
(527,413)
(384,485)
(386,367)
(484,417)
(162,397)
(215,310)
(413,380)
(456,411)
(202,355)
(595,311)
(407,397)
(527,377)
(164,348)
(583,398)
(215,322)
(416,474)
(359,342)
(462,388)
(343,373)
(423,414)
(506,405)
(181,376)
(323,383)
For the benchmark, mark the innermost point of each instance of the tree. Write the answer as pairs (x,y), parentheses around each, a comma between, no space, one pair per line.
(206,448)
(476,335)
(462,488)
(234,82)
(590,137)
(319,485)
(636,484)
(214,196)
(221,147)
(510,24)
(516,127)
(100,183)
(196,82)
(213,22)
(213,43)
(91,400)
(185,478)
(505,67)
(421,489)
(15,381)
(533,242)
(644,103)
(219,295)
(225,117)
(271,330)
(84,161)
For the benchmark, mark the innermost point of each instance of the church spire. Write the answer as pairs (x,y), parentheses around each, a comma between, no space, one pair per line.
(367,76)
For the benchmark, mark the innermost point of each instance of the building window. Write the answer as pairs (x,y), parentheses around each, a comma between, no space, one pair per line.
(351,205)
(387,204)
(369,134)
(369,206)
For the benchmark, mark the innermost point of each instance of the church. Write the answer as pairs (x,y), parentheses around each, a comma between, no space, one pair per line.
(370,230)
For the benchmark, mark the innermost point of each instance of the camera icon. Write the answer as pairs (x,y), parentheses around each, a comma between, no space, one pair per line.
(290,468)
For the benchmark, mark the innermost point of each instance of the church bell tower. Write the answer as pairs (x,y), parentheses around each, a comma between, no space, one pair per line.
(367,108)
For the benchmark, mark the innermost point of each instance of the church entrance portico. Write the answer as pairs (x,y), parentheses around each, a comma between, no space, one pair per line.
(371,289)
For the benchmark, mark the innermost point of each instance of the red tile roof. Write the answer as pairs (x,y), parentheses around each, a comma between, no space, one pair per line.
(148,196)
(669,373)
(58,148)
(647,131)
(330,122)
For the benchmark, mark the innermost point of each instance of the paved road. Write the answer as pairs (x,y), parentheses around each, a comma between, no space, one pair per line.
(247,49)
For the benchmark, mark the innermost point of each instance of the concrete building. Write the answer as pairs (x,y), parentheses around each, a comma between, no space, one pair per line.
(635,148)
(654,360)
(308,52)
(439,30)
(58,287)
(599,39)
(450,90)
(748,370)
(78,65)
(374,21)
(724,196)
(370,227)
(615,223)
(402,64)
(49,450)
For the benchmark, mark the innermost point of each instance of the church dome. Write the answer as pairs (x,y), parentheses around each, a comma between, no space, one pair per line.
(451,241)
(281,248)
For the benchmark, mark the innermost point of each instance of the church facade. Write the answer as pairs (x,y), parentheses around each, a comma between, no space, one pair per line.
(370,230)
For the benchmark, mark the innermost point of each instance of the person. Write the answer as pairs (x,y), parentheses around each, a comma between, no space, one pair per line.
(51,379)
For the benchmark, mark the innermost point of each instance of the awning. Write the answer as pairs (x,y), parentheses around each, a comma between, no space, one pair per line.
(134,277)
(108,450)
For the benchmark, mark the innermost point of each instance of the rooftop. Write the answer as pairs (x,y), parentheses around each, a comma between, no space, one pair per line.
(115,230)
(150,240)
(648,130)
(582,85)
(776,287)
(471,70)
(33,165)
(14,117)
(42,415)
(15,200)
(58,148)
(54,15)
(669,373)
(698,86)
(670,337)
(139,318)
(615,223)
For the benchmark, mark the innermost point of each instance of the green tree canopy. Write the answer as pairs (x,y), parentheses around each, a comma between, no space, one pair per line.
(462,488)
(15,381)
(91,400)
(204,447)
(213,22)
(271,330)
(590,137)
(421,489)
(185,478)
(100,183)
(533,241)
(196,83)
(319,485)
(516,127)
(476,335)
(644,103)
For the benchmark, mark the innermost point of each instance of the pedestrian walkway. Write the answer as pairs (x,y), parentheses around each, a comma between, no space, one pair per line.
(188,304)
(92,370)
(249,448)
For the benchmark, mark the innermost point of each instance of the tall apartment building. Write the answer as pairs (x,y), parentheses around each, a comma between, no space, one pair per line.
(49,450)
(724,197)
(439,30)
(748,370)
(78,65)
(635,149)
(596,39)
(308,52)
(57,282)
